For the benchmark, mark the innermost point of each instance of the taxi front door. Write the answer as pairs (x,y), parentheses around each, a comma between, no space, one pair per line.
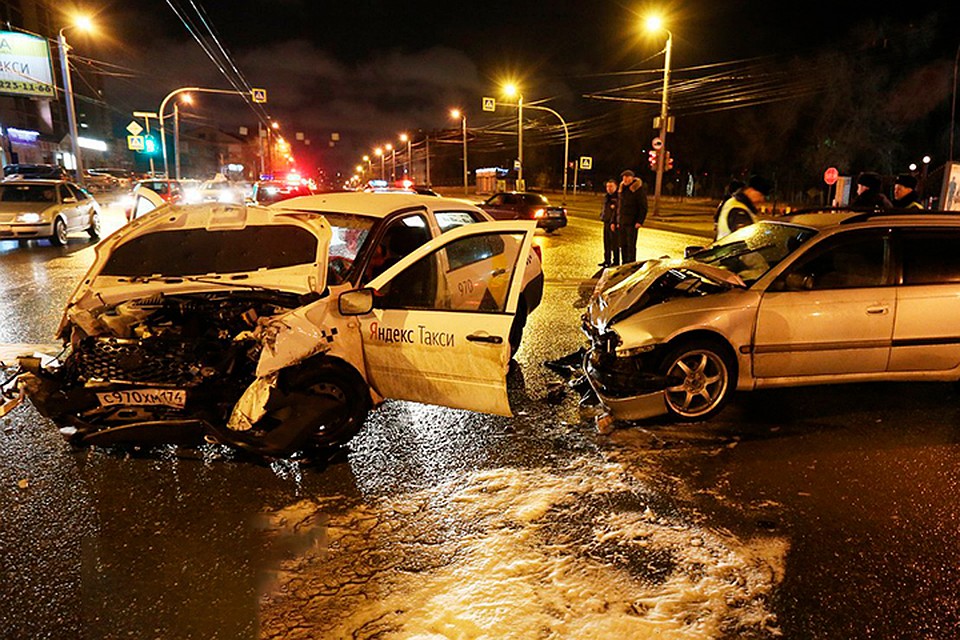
(439,329)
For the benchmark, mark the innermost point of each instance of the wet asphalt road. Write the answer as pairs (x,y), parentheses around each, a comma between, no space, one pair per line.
(859,483)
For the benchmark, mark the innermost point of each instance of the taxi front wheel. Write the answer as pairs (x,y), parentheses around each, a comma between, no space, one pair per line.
(701,378)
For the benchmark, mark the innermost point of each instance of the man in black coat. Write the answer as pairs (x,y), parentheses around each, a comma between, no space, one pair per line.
(631,212)
(869,195)
(905,194)
(608,214)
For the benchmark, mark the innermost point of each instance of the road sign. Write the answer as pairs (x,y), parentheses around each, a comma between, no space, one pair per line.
(489,104)
(259,95)
(656,143)
(830,176)
(134,128)
(586,162)
(135,142)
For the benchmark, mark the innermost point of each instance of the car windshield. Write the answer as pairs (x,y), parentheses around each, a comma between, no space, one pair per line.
(159,186)
(753,250)
(27,193)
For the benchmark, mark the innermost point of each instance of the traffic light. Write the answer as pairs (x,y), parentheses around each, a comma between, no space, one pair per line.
(668,162)
(150,145)
(652,156)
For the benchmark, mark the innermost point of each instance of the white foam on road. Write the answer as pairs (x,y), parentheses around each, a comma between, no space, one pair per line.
(518,553)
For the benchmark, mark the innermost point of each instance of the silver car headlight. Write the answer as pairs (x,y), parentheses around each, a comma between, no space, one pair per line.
(635,351)
(28,218)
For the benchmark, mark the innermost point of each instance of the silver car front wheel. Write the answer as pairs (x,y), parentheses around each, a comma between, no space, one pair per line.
(701,379)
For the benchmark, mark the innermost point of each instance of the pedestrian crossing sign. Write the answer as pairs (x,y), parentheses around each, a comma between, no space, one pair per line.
(259,95)
(135,143)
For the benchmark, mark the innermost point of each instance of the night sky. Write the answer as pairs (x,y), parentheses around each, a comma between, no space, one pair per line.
(368,70)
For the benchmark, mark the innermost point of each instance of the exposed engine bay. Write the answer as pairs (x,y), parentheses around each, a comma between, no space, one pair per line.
(161,369)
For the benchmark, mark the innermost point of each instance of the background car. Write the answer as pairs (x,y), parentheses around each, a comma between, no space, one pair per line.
(168,190)
(42,171)
(124,177)
(50,209)
(267,192)
(518,205)
(216,190)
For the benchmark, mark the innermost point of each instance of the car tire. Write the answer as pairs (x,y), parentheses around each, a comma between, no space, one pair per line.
(326,380)
(94,229)
(59,237)
(701,377)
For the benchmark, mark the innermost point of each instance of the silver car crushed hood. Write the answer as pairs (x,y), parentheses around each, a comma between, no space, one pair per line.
(615,293)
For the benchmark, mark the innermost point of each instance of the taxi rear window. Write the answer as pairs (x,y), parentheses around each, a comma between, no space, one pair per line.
(192,252)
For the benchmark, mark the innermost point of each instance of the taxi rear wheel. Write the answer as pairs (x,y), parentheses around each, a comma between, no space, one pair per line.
(701,378)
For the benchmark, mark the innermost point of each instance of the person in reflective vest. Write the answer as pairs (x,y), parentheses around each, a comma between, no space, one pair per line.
(905,194)
(740,209)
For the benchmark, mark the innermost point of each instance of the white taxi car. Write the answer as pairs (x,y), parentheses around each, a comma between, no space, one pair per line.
(239,324)
(813,299)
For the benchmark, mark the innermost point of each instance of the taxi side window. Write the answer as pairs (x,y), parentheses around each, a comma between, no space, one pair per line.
(400,238)
(64,194)
(476,277)
(447,220)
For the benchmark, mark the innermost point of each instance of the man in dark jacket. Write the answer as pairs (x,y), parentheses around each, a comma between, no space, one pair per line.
(608,214)
(631,212)
(905,194)
(869,195)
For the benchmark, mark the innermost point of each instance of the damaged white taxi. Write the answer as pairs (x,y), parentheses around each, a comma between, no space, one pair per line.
(276,330)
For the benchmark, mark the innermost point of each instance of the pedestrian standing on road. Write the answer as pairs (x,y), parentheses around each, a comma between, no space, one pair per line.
(869,195)
(905,194)
(608,215)
(631,212)
(740,209)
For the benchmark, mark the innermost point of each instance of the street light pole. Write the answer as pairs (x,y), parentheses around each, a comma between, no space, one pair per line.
(408,171)
(566,141)
(456,113)
(664,120)
(71,109)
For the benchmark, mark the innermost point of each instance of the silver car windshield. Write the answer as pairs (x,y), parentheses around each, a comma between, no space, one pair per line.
(752,251)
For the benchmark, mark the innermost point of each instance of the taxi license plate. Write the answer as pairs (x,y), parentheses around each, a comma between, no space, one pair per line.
(554,214)
(175,398)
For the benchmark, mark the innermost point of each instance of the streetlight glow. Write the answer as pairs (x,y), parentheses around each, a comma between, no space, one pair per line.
(653,23)
(186,98)
(455,113)
(84,23)
(404,137)
(510,90)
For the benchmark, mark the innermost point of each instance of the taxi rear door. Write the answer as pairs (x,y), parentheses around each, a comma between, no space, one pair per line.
(439,328)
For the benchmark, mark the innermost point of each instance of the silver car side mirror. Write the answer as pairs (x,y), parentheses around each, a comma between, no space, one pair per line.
(355,303)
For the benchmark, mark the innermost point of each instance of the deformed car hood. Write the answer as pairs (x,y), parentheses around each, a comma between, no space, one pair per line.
(101,287)
(614,294)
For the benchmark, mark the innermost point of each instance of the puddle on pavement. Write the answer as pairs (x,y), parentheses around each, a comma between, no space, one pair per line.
(577,552)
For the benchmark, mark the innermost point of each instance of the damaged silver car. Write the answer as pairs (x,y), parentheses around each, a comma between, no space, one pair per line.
(815,298)
(238,324)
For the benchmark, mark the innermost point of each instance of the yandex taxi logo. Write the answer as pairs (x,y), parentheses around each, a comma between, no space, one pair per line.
(419,335)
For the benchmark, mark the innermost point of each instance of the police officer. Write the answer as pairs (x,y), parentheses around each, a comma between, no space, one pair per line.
(904,193)
(740,209)
(869,195)
(608,214)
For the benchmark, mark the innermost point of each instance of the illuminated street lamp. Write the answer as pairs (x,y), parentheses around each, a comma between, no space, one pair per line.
(408,171)
(185,99)
(84,24)
(456,113)
(393,161)
(654,23)
(379,153)
(510,90)
(566,140)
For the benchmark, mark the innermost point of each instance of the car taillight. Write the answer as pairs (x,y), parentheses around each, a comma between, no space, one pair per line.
(539,213)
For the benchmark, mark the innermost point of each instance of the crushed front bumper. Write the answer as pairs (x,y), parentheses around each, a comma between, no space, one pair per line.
(625,387)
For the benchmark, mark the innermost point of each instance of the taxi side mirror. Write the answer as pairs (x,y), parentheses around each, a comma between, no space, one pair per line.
(69,200)
(355,303)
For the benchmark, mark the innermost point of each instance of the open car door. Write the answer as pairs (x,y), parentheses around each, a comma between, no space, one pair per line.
(439,328)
